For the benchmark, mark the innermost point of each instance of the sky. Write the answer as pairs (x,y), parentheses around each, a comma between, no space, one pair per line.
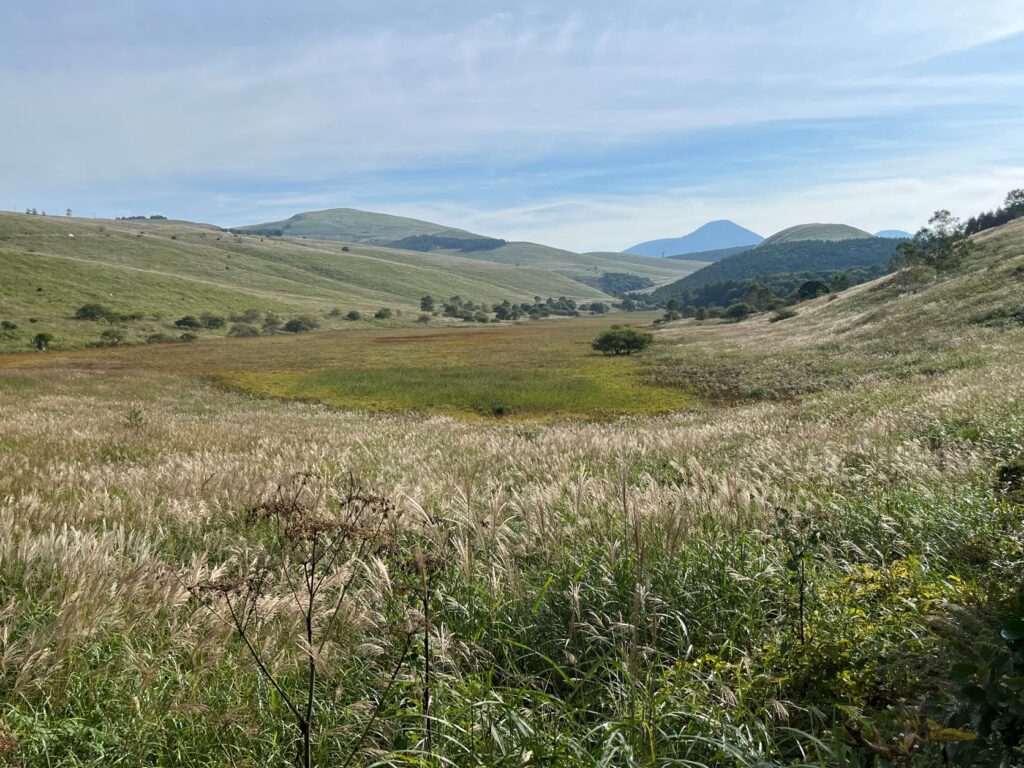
(584,124)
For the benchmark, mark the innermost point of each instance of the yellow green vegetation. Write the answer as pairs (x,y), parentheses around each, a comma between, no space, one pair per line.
(816,563)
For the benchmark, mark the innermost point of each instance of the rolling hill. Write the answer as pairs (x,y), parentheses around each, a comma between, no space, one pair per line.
(830,232)
(714,235)
(348,225)
(797,261)
(895,233)
(163,270)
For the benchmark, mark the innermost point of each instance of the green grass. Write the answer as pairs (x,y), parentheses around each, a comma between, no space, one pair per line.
(168,269)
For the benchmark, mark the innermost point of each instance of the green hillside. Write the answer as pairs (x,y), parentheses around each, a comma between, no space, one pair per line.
(353,226)
(831,232)
(49,266)
(711,256)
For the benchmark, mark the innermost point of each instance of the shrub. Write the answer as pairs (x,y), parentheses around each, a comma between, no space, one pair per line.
(159,338)
(334,313)
(301,324)
(622,341)
(93,312)
(811,289)
(42,341)
(112,337)
(783,314)
(383,313)
(424,318)
(7,325)
(212,321)
(272,324)
(244,330)
(188,321)
(738,311)
(354,315)
(188,337)
(249,316)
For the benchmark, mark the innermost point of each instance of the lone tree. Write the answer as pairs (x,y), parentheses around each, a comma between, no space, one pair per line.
(942,245)
(41,341)
(301,324)
(738,311)
(619,340)
(427,303)
(812,289)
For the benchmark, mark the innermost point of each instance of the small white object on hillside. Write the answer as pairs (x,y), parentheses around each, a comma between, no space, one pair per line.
(70,235)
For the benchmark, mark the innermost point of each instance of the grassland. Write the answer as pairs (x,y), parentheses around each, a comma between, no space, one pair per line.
(164,270)
(818,563)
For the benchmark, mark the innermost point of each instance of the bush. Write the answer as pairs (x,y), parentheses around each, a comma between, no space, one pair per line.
(622,341)
(112,337)
(212,321)
(42,341)
(272,324)
(424,318)
(7,325)
(159,338)
(244,331)
(783,314)
(188,337)
(354,315)
(301,324)
(189,321)
(334,313)
(383,313)
(738,311)
(94,312)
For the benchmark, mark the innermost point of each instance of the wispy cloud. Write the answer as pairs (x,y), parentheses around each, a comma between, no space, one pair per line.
(241,111)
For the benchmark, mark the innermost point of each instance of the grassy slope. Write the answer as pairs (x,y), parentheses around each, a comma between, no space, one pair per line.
(816,232)
(138,267)
(726,586)
(354,226)
(590,573)
(906,324)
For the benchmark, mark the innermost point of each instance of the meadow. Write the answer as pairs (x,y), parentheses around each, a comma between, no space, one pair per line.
(812,558)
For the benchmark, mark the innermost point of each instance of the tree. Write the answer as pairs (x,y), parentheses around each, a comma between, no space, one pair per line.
(620,340)
(383,313)
(427,303)
(93,312)
(42,341)
(739,311)
(354,315)
(811,289)
(68,213)
(942,245)
(599,308)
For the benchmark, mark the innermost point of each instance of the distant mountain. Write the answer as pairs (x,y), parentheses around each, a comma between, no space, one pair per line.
(711,256)
(828,232)
(893,233)
(350,225)
(712,236)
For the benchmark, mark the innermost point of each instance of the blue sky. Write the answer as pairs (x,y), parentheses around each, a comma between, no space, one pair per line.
(588,125)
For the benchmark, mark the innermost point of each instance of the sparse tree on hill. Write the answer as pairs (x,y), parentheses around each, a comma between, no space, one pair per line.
(68,213)
(942,245)
(739,311)
(427,303)
(42,341)
(354,315)
(811,289)
(620,340)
